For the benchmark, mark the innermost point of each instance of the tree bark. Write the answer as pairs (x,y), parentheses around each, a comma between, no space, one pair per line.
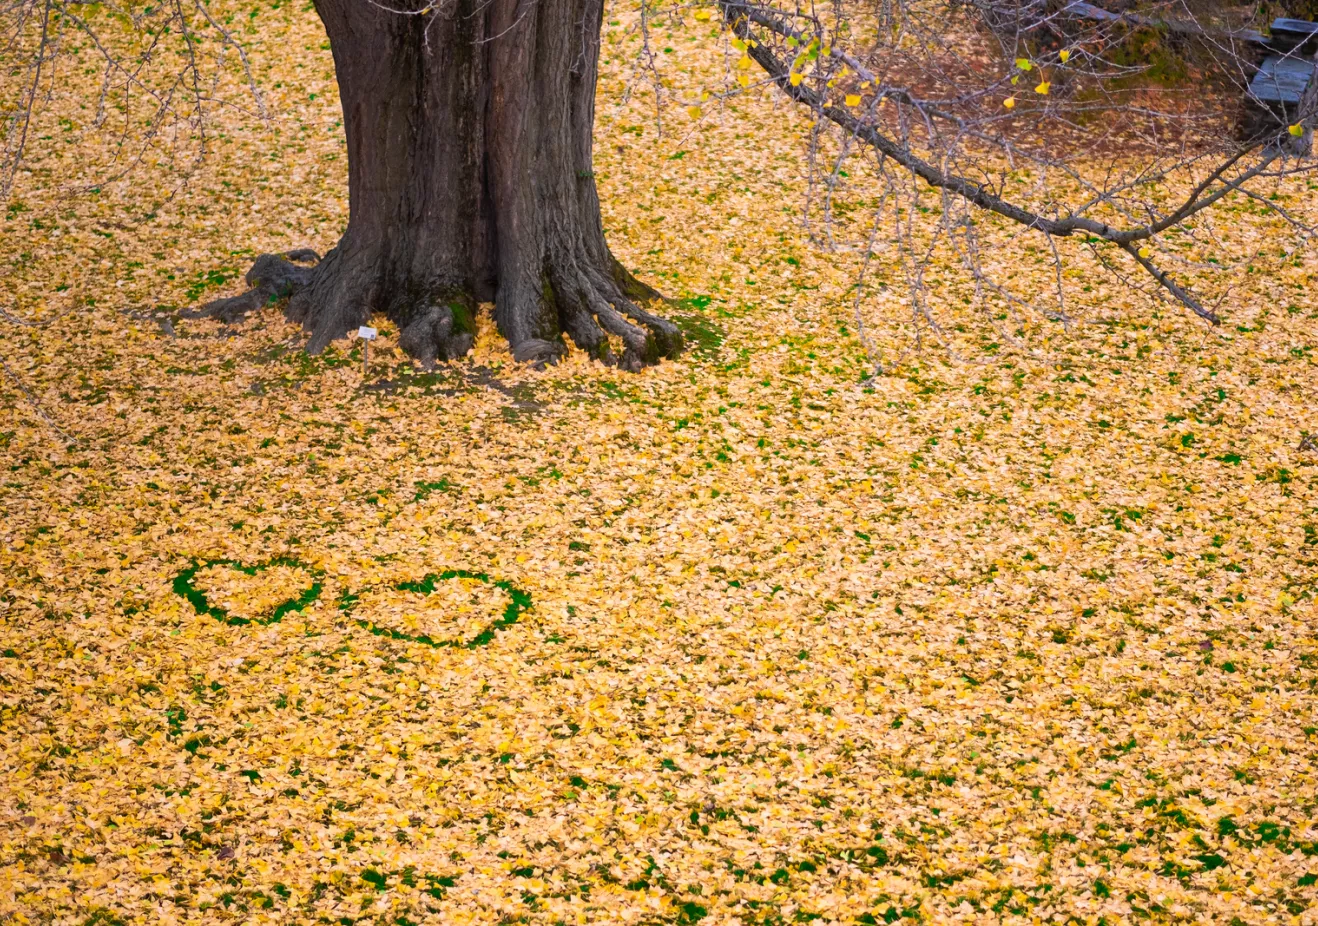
(469,130)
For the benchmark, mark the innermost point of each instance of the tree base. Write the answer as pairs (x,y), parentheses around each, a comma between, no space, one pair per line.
(596,307)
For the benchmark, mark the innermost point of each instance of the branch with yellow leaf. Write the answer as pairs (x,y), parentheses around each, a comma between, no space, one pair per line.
(750,22)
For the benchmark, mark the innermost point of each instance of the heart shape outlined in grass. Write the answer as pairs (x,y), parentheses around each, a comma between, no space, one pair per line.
(184,588)
(519,601)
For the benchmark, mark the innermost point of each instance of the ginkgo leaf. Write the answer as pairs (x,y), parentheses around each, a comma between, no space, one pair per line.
(758,569)
(1064,55)
(703,15)
(853,99)
(1042,88)
(1297,130)
(1024,64)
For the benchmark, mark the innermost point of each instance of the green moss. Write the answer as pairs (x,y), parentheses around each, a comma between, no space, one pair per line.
(519,601)
(464,315)
(184,588)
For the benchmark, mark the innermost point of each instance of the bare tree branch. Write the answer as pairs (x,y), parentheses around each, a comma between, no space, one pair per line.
(1223,179)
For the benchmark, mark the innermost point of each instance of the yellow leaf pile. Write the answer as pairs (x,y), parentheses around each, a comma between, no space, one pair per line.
(457,610)
(1022,630)
(250,596)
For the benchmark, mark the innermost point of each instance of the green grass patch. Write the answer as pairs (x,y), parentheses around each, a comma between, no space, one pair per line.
(519,602)
(184,588)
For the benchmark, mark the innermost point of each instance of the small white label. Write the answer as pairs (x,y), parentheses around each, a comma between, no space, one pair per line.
(367,333)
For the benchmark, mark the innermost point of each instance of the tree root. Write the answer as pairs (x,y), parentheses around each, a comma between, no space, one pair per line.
(272,277)
(591,304)
(436,332)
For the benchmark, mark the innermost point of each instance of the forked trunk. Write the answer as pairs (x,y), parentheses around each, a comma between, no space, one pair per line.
(469,162)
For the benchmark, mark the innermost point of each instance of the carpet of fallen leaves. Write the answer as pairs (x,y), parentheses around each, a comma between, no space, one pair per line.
(1022,633)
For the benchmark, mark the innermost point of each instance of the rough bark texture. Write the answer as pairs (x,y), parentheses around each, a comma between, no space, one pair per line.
(469,163)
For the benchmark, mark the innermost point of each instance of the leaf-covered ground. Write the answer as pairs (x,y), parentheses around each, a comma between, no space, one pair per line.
(1025,633)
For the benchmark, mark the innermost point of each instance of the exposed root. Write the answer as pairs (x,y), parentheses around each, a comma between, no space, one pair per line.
(665,337)
(272,277)
(592,306)
(436,333)
(595,306)
(336,298)
(538,353)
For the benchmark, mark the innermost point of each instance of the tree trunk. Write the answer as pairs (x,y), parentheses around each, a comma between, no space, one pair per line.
(469,180)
